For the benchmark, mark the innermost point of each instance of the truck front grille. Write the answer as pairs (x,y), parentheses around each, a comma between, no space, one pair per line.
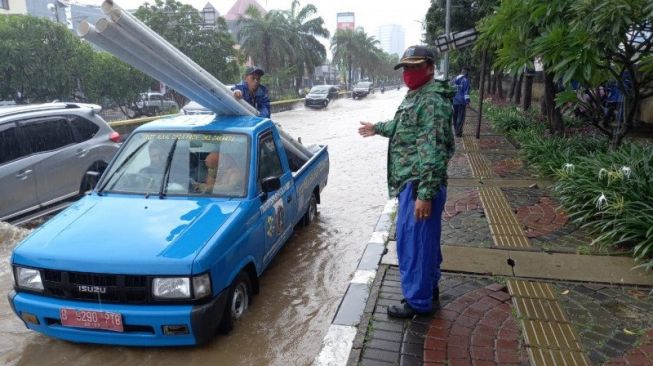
(95,287)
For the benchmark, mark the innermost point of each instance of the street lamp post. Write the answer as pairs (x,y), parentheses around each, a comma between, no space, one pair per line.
(447,30)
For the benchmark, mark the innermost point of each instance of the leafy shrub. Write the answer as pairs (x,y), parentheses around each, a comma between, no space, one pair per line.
(608,192)
(611,193)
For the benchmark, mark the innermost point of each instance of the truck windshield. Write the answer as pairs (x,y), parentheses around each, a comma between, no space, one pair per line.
(192,164)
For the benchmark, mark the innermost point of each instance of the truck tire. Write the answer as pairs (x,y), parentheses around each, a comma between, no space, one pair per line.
(238,300)
(311,211)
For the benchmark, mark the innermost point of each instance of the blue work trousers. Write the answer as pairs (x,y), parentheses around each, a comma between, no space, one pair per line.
(418,248)
(458,118)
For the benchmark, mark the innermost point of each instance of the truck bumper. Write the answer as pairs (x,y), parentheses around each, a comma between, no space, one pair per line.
(143,324)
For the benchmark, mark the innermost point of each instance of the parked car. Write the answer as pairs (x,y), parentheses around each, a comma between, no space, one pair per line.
(46,151)
(320,95)
(193,107)
(158,256)
(152,104)
(362,89)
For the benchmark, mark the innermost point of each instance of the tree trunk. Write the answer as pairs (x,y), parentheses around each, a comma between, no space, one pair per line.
(500,85)
(488,79)
(528,89)
(553,114)
(513,85)
(493,88)
(518,89)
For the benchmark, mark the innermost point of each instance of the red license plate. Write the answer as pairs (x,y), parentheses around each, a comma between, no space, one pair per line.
(91,319)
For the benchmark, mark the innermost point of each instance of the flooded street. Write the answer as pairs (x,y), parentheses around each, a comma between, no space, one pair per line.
(301,289)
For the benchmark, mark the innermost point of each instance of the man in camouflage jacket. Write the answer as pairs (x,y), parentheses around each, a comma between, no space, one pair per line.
(421,143)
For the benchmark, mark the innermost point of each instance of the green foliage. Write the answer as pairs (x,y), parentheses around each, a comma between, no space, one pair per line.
(608,192)
(511,118)
(108,81)
(266,38)
(355,48)
(611,194)
(181,25)
(37,55)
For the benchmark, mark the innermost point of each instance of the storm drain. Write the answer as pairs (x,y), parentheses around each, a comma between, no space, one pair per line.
(549,336)
(504,227)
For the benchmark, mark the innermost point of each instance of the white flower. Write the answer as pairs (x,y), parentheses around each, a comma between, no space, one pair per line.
(568,167)
(601,202)
(626,171)
(603,172)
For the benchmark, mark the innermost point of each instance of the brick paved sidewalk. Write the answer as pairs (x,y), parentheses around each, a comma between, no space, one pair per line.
(495,202)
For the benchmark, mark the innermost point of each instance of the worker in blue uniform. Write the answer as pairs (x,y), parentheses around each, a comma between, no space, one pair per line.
(251,90)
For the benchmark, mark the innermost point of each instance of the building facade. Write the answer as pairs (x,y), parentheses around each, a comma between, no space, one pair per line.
(13,6)
(392,38)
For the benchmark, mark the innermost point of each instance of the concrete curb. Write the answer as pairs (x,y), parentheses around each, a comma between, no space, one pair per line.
(338,341)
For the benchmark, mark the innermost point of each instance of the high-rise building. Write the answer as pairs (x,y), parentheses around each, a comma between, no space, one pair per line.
(345,21)
(392,38)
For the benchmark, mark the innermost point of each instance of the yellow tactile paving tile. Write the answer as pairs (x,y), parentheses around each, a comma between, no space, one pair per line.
(480,166)
(539,309)
(470,143)
(550,357)
(511,242)
(553,335)
(531,290)
(504,227)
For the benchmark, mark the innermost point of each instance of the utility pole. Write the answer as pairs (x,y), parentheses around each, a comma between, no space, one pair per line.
(447,30)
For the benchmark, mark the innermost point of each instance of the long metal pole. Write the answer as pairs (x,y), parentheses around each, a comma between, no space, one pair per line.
(447,30)
(481,95)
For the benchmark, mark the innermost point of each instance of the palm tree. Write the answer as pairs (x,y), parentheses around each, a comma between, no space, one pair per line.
(368,52)
(355,49)
(342,48)
(266,38)
(309,52)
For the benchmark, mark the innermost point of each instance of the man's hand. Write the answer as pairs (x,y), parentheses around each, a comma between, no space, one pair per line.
(238,94)
(366,130)
(422,209)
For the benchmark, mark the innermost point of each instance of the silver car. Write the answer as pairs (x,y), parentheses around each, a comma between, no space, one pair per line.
(46,151)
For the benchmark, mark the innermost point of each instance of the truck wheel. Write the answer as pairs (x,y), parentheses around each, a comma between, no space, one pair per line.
(311,211)
(238,300)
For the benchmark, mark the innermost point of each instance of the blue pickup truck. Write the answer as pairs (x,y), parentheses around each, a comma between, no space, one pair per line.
(168,248)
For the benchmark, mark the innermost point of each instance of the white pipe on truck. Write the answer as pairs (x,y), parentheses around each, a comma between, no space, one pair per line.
(129,39)
(165,51)
(152,63)
(149,38)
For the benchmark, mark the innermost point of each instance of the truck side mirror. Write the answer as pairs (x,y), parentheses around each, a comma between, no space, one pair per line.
(92,178)
(270,184)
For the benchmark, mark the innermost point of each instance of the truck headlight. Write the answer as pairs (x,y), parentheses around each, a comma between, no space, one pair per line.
(28,278)
(171,287)
(201,286)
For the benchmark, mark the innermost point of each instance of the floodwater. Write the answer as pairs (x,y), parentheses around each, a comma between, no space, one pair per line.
(302,288)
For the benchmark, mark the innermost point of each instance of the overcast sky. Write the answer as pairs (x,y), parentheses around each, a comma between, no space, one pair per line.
(370,14)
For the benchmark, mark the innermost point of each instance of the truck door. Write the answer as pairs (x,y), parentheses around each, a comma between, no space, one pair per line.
(278,209)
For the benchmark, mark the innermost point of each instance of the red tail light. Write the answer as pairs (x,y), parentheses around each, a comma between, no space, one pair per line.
(115,136)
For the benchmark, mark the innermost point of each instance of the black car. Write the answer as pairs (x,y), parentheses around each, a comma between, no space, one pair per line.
(363,88)
(320,95)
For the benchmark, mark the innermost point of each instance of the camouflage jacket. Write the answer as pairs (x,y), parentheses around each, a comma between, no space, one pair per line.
(421,140)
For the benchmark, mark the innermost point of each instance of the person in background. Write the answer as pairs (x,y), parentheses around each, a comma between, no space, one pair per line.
(420,145)
(251,90)
(460,100)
